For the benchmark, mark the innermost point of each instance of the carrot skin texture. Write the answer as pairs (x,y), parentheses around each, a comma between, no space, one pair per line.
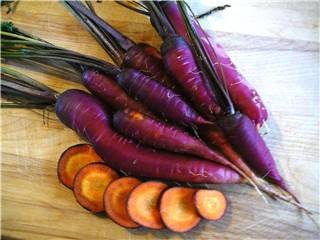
(157,134)
(147,59)
(242,134)
(106,88)
(88,117)
(243,95)
(181,63)
(159,98)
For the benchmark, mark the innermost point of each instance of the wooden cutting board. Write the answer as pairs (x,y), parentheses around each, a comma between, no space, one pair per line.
(275,45)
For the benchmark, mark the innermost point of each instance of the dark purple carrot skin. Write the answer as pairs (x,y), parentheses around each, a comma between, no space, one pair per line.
(147,59)
(154,133)
(242,134)
(88,117)
(244,96)
(181,63)
(158,97)
(106,88)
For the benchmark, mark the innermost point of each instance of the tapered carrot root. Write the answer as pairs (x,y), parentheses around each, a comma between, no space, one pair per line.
(177,209)
(73,159)
(90,184)
(210,204)
(143,204)
(115,201)
(215,137)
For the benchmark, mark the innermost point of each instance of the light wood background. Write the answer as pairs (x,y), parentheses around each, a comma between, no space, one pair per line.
(275,44)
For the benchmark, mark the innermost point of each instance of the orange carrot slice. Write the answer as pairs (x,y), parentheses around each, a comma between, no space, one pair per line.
(90,184)
(115,200)
(177,209)
(210,204)
(73,159)
(142,204)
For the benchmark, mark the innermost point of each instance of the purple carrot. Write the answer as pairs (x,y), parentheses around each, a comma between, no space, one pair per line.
(107,89)
(242,134)
(181,63)
(88,117)
(159,98)
(245,97)
(157,134)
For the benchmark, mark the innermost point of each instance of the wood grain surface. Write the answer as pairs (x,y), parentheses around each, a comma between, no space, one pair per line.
(274,44)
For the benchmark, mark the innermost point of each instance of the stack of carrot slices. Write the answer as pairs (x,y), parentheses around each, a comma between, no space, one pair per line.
(132,203)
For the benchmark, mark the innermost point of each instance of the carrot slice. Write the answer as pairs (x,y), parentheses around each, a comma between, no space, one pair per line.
(90,184)
(115,200)
(177,209)
(210,204)
(73,159)
(142,204)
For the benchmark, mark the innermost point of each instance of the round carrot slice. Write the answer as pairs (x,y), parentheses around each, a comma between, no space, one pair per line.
(73,159)
(142,204)
(210,204)
(115,200)
(177,209)
(90,184)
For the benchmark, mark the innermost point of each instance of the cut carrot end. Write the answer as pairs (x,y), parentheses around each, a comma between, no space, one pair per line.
(143,202)
(90,184)
(115,201)
(210,204)
(73,159)
(178,210)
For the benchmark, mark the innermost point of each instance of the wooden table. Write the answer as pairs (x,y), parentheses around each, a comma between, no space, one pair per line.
(274,44)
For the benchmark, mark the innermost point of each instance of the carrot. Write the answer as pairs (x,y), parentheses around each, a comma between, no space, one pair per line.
(159,98)
(137,126)
(214,136)
(106,88)
(181,63)
(241,133)
(244,96)
(73,159)
(90,184)
(177,209)
(143,204)
(115,201)
(210,204)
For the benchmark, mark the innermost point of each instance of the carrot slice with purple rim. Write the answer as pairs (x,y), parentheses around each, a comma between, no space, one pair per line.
(90,184)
